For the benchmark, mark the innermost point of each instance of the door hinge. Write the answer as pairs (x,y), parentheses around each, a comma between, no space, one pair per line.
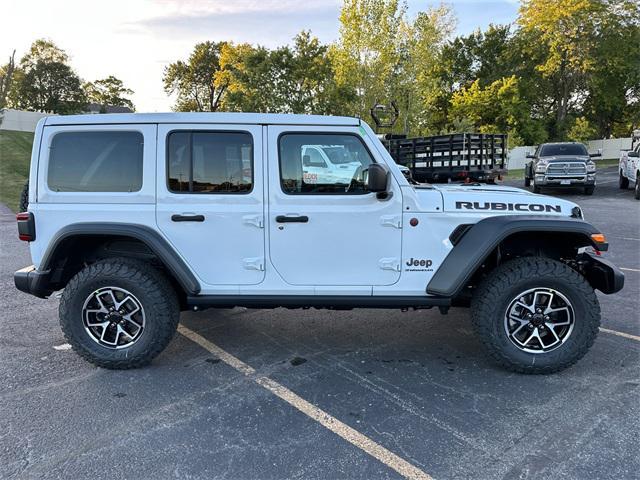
(389,264)
(255,220)
(253,263)
(391,221)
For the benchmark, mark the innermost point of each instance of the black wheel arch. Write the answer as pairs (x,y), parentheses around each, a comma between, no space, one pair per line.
(79,244)
(489,242)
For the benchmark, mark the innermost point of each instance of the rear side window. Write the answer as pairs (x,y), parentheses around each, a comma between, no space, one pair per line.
(210,162)
(96,162)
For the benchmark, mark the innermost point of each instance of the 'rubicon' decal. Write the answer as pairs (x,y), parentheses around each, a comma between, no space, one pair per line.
(508,207)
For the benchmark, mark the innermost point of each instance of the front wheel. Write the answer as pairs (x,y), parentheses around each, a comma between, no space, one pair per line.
(119,313)
(536,188)
(527,182)
(636,190)
(589,190)
(623,182)
(536,315)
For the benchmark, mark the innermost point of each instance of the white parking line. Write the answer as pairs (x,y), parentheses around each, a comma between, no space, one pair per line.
(629,269)
(620,334)
(351,435)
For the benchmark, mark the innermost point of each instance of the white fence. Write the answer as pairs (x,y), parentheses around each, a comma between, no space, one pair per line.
(20,120)
(610,149)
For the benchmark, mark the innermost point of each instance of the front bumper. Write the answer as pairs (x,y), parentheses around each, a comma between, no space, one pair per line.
(544,180)
(33,281)
(602,274)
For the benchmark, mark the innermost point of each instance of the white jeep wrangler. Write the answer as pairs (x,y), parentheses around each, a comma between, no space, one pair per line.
(139,216)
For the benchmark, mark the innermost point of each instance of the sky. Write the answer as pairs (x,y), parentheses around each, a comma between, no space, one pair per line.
(135,39)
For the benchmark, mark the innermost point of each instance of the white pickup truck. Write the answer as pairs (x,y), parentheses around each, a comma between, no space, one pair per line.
(630,165)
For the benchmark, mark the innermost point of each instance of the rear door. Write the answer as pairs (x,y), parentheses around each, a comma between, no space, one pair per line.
(210,200)
(330,232)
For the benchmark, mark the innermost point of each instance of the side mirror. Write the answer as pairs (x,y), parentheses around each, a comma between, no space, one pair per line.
(306,160)
(633,154)
(378,178)
(530,155)
(597,154)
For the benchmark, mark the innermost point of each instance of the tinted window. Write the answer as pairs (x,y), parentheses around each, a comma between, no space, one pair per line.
(323,163)
(563,149)
(210,162)
(96,162)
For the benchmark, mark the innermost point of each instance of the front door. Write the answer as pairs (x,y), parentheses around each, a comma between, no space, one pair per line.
(210,202)
(328,230)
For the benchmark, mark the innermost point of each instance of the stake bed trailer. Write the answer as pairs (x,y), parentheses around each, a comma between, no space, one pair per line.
(478,157)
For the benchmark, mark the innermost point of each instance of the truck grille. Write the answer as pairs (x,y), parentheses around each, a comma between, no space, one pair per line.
(568,169)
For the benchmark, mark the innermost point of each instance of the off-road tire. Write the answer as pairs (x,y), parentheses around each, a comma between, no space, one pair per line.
(24,198)
(623,182)
(636,190)
(152,289)
(499,288)
(589,190)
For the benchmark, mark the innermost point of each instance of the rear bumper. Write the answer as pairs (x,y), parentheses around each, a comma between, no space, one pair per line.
(33,281)
(602,274)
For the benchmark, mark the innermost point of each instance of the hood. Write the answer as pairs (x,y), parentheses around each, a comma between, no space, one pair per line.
(566,158)
(496,200)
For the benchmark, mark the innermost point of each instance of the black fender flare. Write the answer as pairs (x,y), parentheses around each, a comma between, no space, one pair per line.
(480,239)
(151,238)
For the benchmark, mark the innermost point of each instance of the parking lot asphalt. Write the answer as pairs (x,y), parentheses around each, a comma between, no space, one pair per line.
(415,384)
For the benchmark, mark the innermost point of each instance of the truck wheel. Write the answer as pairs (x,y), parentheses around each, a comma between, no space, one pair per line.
(24,198)
(589,190)
(536,188)
(536,315)
(623,182)
(527,181)
(119,313)
(636,190)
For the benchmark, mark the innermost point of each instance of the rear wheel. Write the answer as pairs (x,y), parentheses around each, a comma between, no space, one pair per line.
(119,313)
(623,181)
(589,190)
(536,315)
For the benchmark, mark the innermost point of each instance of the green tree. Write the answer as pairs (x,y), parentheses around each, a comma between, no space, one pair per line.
(496,108)
(581,130)
(6,79)
(46,83)
(109,91)
(198,83)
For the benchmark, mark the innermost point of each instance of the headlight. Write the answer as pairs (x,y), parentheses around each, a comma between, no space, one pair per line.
(541,167)
(591,166)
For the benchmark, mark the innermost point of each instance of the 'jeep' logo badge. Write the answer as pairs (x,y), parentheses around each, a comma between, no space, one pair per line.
(419,265)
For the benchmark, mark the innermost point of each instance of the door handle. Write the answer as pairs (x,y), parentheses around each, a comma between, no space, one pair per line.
(187,218)
(292,219)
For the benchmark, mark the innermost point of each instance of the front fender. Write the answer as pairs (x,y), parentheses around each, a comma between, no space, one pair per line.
(479,240)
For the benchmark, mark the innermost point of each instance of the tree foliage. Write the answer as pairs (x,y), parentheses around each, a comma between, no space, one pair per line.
(199,84)
(45,82)
(109,91)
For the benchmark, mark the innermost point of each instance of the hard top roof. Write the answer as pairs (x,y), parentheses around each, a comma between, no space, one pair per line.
(202,117)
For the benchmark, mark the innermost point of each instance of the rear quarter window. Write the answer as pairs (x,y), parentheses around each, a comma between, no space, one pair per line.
(96,161)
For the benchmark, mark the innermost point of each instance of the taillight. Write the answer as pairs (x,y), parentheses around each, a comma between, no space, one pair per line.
(26,226)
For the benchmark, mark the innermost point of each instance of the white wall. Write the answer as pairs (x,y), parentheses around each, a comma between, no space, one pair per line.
(610,149)
(19,120)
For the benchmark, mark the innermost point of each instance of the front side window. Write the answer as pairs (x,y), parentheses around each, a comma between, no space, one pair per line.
(96,162)
(210,162)
(323,163)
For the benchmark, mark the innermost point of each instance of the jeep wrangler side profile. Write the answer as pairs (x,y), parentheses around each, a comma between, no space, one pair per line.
(137,217)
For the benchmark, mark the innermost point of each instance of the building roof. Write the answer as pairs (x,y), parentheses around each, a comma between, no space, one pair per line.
(203,117)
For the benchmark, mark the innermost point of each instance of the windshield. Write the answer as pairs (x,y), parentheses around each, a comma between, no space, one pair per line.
(563,149)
